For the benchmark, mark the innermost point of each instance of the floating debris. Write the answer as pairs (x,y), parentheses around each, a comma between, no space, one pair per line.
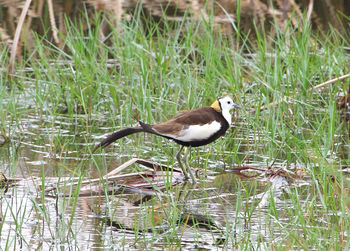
(146,183)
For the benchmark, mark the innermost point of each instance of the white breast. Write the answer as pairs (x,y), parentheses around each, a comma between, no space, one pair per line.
(199,132)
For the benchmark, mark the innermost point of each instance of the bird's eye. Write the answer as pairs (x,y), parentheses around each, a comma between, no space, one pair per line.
(228,102)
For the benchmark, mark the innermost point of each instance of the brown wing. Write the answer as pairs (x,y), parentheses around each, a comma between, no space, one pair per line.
(199,116)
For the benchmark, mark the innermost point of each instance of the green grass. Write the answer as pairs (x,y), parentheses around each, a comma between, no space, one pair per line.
(159,70)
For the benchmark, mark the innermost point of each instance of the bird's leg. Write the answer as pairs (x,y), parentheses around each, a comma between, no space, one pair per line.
(178,157)
(185,158)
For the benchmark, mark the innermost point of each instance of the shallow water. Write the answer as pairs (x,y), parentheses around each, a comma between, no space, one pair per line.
(223,211)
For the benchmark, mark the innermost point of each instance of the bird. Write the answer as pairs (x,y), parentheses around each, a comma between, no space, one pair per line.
(190,129)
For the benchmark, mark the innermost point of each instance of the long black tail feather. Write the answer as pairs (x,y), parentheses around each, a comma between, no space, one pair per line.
(117,135)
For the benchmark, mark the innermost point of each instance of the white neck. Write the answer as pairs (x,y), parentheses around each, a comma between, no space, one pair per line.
(227,115)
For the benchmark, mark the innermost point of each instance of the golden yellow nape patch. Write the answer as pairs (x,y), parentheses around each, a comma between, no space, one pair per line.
(216,106)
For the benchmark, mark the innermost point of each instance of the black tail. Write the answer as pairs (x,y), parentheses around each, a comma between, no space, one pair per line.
(117,135)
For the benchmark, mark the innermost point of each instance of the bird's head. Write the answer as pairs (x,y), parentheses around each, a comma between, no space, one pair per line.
(224,104)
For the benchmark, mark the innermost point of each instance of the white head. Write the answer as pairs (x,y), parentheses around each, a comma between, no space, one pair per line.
(225,105)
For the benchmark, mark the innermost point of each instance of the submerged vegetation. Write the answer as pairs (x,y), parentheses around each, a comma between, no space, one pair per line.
(278,179)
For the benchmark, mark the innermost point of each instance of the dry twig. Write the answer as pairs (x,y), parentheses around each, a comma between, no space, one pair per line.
(310,89)
(17,36)
(53,22)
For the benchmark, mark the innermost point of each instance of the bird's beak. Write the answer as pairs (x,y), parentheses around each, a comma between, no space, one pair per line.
(236,106)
